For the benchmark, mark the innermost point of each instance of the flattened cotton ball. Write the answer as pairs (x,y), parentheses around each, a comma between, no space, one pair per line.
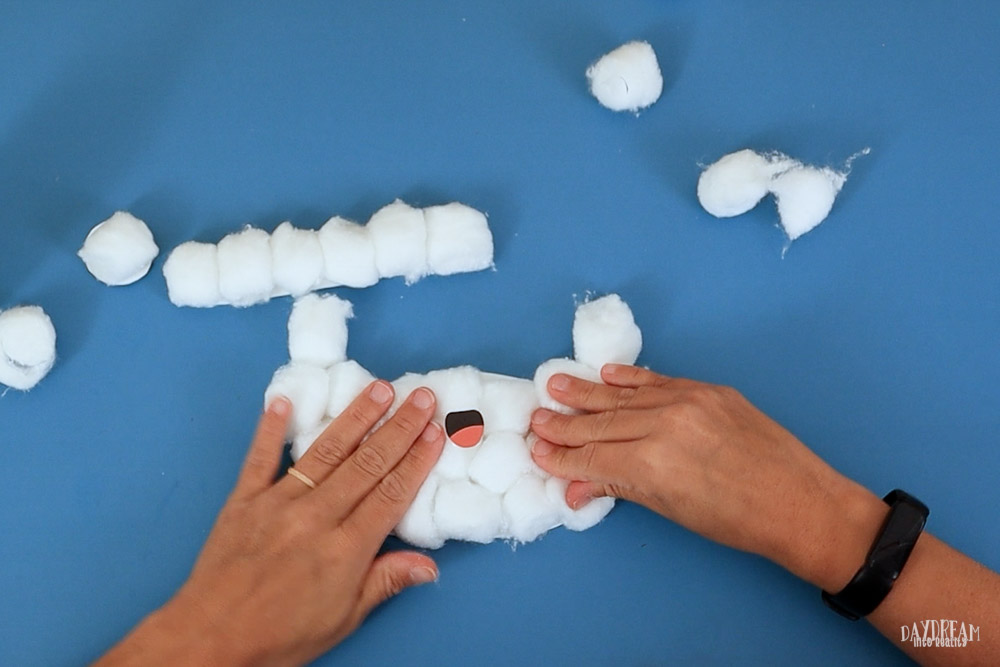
(120,250)
(499,461)
(550,368)
(805,196)
(467,511)
(304,440)
(347,379)
(736,182)
(245,271)
(192,274)
(458,239)
(317,329)
(348,254)
(628,78)
(306,386)
(417,526)
(587,516)
(399,233)
(527,510)
(604,332)
(27,346)
(508,403)
(297,259)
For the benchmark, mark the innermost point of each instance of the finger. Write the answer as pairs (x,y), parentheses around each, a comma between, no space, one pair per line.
(261,463)
(390,574)
(622,375)
(579,494)
(577,430)
(593,462)
(363,470)
(596,397)
(342,436)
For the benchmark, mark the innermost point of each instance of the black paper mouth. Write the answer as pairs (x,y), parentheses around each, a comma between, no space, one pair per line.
(464,428)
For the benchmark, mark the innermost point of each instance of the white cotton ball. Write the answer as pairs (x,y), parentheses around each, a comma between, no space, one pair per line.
(246,275)
(456,389)
(317,329)
(550,368)
(27,346)
(120,250)
(467,511)
(417,526)
(499,461)
(736,182)
(507,403)
(192,274)
(347,380)
(604,332)
(348,254)
(458,239)
(805,196)
(306,386)
(587,516)
(628,78)
(297,259)
(527,509)
(455,461)
(305,439)
(399,233)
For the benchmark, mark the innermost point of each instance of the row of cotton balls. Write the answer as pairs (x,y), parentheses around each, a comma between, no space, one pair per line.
(804,194)
(252,266)
(27,346)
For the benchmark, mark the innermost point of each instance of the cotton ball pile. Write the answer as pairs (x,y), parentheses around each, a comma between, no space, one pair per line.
(27,346)
(628,78)
(251,266)
(804,194)
(120,250)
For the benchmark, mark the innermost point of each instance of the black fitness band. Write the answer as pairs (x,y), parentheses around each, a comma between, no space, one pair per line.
(885,560)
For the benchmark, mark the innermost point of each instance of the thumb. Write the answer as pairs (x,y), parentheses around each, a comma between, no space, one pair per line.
(390,574)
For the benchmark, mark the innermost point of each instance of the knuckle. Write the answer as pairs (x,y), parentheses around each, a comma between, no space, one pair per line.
(589,457)
(370,461)
(406,423)
(602,423)
(357,416)
(393,491)
(624,398)
(329,451)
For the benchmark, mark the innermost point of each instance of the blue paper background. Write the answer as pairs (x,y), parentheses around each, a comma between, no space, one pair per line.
(874,339)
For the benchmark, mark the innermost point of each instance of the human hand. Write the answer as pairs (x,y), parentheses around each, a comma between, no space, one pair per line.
(704,457)
(289,571)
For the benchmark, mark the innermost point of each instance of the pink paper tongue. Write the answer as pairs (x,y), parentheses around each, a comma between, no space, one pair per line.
(468,436)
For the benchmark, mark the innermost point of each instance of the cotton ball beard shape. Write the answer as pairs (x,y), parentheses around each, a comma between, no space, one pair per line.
(192,275)
(27,346)
(805,196)
(297,259)
(605,332)
(120,250)
(735,183)
(628,78)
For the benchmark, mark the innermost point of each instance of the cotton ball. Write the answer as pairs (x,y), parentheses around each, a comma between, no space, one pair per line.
(499,461)
(347,380)
(456,390)
(805,196)
(120,250)
(567,366)
(245,271)
(297,259)
(507,403)
(587,516)
(736,182)
(604,332)
(317,329)
(626,79)
(348,254)
(527,510)
(192,274)
(399,233)
(27,346)
(455,461)
(306,386)
(417,526)
(458,239)
(467,511)
(304,440)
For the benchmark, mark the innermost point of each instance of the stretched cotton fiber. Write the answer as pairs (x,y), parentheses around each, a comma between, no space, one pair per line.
(27,346)
(348,254)
(297,259)
(417,526)
(307,387)
(120,250)
(305,439)
(736,182)
(317,330)
(567,366)
(399,233)
(587,516)
(192,275)
(604,332)
(805,196)
(500,460)
(347,380)
(508,403)
(527,510)
(245,270)
(458,239)
(628,78)
(466,511)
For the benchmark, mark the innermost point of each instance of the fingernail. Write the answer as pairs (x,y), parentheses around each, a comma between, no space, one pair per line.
(542,448)
(581,502)
(431,432)
(380,392)
(559,382)
(422,575)
(611,369)
(281,406)
(422,398)
(541,416)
